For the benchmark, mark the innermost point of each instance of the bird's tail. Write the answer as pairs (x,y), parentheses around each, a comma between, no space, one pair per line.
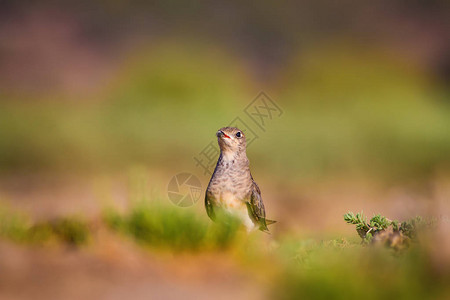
(263,226)
(269,222)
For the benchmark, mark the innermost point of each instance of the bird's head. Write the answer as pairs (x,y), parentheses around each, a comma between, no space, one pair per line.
(231,140)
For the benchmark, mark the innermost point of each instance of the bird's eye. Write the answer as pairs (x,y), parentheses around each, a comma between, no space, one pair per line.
(238,134)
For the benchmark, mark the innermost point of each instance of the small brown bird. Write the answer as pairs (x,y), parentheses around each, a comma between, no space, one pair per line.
(232,188)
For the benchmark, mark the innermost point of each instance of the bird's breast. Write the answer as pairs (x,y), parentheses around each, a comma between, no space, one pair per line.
(230,184)
(230,200)
(227,188)
(237,208)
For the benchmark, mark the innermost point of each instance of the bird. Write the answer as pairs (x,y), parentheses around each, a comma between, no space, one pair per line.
(232,188)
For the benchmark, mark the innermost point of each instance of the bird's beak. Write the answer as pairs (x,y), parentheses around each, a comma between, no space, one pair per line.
(220,133)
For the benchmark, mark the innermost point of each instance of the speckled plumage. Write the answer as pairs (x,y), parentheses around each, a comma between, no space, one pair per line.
(232,187)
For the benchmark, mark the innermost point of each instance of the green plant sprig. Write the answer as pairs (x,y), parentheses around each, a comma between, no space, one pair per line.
(380,224)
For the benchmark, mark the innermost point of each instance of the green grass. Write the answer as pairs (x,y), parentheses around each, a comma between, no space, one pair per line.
(13,226)
(69,230)
(148,223)
(19,228)
(372,269)
(297,268)
(352,271)
(161,226)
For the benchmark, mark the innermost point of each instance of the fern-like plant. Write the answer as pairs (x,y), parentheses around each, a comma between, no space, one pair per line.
(390,232)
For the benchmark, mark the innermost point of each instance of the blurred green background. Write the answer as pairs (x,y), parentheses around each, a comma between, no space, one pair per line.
(89,86)
(105,101)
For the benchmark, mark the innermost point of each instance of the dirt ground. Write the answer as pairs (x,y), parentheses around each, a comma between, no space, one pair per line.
(123,272)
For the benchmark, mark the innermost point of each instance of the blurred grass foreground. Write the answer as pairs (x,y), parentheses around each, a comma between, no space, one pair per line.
(291,268)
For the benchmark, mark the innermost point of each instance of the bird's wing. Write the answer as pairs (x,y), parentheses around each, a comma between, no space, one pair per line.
(209,205)
(256,207)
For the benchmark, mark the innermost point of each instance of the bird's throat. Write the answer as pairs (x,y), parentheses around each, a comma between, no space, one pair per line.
(228,156)
(231,158)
